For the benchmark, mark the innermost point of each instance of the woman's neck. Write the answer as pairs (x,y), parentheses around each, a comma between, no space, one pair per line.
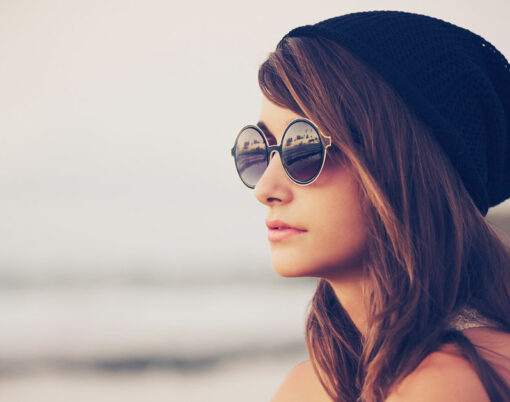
(349,292)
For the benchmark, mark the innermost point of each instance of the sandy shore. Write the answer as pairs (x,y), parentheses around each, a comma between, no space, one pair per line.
(248,381)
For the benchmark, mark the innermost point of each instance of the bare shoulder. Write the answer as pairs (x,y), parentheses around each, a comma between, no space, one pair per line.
(301,385)
(442,376)
(494,347)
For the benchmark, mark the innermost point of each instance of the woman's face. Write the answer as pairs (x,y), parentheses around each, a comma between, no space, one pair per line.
(332,237)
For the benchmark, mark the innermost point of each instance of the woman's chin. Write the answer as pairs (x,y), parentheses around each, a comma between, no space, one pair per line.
(288,273)
(289,264)
(291,268)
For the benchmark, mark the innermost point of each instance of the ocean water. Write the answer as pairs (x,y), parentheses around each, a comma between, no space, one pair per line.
(105,335)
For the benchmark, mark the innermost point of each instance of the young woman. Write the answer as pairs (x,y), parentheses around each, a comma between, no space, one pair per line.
(383,139)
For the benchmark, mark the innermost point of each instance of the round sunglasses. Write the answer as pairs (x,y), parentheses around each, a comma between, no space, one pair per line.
(302,152)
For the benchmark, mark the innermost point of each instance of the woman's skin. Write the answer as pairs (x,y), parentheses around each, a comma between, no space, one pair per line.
(332,247)
(328,209)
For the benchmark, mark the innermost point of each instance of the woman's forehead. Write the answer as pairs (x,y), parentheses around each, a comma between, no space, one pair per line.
(274,119)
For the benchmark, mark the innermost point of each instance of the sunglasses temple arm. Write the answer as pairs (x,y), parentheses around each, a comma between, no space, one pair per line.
(327,141)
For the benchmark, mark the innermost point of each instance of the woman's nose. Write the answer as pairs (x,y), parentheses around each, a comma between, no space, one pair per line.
(274,186)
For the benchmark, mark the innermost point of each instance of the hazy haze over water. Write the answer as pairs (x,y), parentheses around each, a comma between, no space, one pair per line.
(117,119)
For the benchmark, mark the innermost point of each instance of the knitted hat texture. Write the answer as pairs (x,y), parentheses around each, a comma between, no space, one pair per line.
(455,81)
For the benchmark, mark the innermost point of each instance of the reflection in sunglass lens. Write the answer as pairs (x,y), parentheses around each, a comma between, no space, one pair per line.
(251,156)
(302,151)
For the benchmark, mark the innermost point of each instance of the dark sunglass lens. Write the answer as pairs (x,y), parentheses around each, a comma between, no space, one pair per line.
(251,156)
(302,151)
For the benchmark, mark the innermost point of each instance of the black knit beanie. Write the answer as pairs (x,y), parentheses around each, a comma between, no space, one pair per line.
(455,81)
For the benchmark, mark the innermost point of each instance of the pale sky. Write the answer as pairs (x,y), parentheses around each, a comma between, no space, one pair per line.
(117,119)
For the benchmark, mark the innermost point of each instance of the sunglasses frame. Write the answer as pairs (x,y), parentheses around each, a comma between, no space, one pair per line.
(324,139)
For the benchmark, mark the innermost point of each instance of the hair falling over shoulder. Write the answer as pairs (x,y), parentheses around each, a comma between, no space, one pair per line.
(430,251)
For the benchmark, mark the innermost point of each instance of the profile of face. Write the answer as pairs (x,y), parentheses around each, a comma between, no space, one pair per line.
(332,235)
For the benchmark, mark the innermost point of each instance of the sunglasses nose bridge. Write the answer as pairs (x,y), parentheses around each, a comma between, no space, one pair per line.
(274,150)
(271,151)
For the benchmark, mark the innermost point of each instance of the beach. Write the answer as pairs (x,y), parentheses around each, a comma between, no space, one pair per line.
(153,339)
(253,380)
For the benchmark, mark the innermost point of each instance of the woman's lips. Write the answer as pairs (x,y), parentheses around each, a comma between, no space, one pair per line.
(279,230)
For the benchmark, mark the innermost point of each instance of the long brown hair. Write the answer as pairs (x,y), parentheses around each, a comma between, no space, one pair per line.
(430,251)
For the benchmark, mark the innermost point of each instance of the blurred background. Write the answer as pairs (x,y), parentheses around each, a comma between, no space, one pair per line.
(133,263)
